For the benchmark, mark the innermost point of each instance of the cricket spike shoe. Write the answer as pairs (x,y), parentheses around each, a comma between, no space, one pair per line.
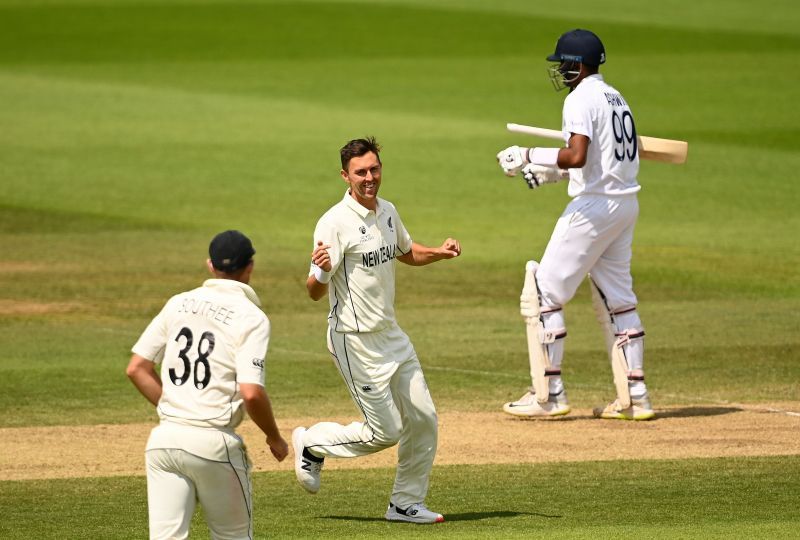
(528,407)
(640,409)
(307,467)
(415,513)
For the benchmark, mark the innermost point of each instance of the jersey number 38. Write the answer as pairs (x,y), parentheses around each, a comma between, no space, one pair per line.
(204,348)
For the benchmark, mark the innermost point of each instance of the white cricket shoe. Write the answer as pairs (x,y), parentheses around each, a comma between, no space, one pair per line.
(416,513)
(640,409)
(306,470)
(527,406)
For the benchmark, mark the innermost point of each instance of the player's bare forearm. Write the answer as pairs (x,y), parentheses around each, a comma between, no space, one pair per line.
(574,155)
(142,374)
(421,255)
(317,283)
(316,290)
(259,408)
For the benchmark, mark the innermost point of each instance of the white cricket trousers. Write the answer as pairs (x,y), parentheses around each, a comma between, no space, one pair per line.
(385,379)
(177,479)
(593,235)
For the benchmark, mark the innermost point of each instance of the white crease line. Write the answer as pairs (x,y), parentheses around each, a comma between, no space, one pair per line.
(599,386)
(755,408)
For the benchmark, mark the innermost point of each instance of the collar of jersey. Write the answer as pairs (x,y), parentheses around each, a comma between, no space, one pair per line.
(232,285)
(358,209)
(594,77)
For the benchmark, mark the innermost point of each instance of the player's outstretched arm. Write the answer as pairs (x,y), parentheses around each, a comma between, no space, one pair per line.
(259,408)
(142,373)
(421,255)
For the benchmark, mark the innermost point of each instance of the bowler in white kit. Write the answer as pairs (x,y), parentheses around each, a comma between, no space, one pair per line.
(593,235)
(211,343)
(356,244)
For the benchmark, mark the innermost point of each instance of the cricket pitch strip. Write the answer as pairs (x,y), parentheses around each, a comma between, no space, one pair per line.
(695,431)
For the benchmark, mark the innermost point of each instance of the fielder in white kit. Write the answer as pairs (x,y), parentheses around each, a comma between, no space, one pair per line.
(356,244)
(211,343)
(593,236)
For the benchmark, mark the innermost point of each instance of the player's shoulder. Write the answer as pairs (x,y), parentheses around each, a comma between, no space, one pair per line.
(178,298)
(255,320)
(386,205)
(334,213)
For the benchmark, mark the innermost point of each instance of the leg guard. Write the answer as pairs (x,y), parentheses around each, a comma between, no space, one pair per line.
(538,337)
(616,341)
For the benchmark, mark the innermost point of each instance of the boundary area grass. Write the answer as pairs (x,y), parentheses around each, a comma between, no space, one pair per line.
(708,498)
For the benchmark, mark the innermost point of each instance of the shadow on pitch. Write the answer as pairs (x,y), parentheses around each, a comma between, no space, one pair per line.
(688,412)
(466,516)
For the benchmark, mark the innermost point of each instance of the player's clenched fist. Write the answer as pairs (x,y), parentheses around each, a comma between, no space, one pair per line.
(320,256)
(512,159)
(279,448)
(451,248)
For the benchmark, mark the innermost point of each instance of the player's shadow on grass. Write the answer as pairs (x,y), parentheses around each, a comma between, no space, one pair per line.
(466,516)
(687,412)
(475,516)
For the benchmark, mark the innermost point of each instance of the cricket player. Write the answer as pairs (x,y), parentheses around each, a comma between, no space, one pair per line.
(356,244)
(593,236)
(211,343)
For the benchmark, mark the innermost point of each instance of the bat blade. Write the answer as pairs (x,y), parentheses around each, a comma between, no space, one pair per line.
(652,148)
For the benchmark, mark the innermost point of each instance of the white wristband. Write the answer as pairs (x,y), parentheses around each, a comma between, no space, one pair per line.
(547,157)
(321,275)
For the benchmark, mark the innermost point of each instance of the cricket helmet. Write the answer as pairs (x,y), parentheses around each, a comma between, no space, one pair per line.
(580,46)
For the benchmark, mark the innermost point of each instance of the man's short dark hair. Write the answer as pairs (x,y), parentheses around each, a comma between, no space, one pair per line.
(358,148)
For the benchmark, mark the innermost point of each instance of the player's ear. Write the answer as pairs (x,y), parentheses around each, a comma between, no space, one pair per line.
(344,176)
(248,271)
(210,267)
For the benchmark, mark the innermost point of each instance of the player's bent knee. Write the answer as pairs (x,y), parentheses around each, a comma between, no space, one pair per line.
(386,436)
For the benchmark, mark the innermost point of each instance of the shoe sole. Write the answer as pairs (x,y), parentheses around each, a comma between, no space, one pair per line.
(297,445)
(520,414)
(638,417)
(399,518)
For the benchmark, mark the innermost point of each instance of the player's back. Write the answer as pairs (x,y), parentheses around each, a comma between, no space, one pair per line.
(599,111)
(210,341)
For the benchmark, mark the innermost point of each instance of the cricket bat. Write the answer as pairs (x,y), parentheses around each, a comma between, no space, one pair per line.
(652,148)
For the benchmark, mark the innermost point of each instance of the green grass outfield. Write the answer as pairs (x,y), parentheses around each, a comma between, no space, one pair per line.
(653,499)
(131,132)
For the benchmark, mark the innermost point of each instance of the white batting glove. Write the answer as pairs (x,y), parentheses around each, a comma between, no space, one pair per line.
(536,175)
(512,159)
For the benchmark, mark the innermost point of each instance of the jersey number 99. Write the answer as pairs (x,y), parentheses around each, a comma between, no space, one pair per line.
(202,359)
(625,135)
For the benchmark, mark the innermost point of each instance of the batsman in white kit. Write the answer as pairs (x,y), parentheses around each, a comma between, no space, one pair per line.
(211,343)
(593,235)
(356,244)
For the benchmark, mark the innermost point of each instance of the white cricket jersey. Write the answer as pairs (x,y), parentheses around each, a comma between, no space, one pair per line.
(208,340)
(598,111)
(363,246)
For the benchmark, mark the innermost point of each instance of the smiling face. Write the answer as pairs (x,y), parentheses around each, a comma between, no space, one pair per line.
(363,175)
